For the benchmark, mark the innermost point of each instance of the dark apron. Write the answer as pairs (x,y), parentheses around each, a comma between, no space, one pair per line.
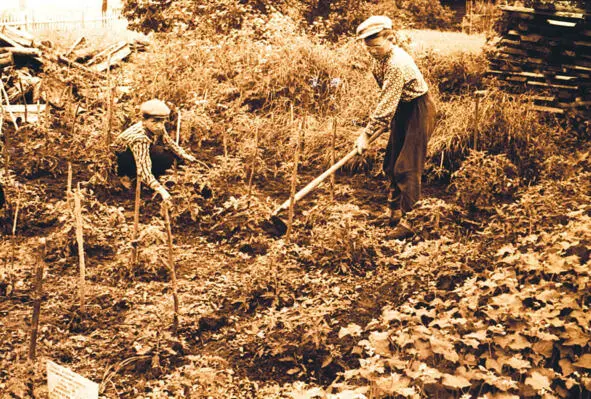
(406,152)
(162,160)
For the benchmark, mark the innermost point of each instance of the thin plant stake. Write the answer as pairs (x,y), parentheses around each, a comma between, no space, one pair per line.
(7,101)
(294,179)
(175,298)
(13,238)
(225,144)
(14,222)
(136,222)
(37,302)
(20,83)
(80,240)
(333,157)
(109,104)
(6,154)
(69,182)
(253,163)
(75,117)
(178,128)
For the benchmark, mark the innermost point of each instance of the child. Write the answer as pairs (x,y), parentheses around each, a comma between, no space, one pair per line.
(146,150)
(406,108)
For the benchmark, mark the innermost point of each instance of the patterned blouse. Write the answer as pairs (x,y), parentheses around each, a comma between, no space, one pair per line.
(400,80)
(137,140)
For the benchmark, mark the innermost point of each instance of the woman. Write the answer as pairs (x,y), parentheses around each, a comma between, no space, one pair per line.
(406,108)
(147,150)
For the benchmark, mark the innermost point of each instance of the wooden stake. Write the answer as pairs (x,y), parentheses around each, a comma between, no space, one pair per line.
(109,104)
(178,128)
(37,302)
(253,163)
(20,83)
(76,43)
(136,222)
(175,298)
(75,117)
(18,205)
(6,154)
(225,143)
(479,95)
(294,179)
(333,157)
(69,182)
(476,112)
(5,95)
(80,240)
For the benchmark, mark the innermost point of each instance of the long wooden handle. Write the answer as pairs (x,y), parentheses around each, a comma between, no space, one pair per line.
(314,183)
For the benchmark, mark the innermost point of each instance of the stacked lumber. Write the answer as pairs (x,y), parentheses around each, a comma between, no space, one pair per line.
(547,51)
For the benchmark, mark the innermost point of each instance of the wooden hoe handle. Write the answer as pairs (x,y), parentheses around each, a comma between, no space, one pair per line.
(314,183)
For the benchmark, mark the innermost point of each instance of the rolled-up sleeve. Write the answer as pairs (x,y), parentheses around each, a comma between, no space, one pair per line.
(177,149)
(392,87)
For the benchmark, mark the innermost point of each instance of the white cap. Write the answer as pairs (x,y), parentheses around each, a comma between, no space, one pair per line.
(373,25)
(155,108)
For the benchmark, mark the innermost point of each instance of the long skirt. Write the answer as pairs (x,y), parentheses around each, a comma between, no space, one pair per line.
(404,161)
(162,160)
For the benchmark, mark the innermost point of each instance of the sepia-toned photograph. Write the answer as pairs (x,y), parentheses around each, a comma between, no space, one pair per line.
(295,199)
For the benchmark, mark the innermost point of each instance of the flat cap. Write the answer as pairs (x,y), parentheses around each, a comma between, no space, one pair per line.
(155,108)
(373,25)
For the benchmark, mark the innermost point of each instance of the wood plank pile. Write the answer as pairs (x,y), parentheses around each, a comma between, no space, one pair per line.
(23,59)
(547,51)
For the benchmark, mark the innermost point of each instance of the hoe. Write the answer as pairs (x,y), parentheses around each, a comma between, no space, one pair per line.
(277,226)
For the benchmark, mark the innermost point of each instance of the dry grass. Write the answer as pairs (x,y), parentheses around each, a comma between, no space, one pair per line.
(445,43)
(96,37)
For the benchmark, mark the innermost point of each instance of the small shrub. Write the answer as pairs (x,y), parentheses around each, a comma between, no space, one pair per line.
(419,14)
(339,240)
(30,201)
(432,218)
(483,180)
(103,227)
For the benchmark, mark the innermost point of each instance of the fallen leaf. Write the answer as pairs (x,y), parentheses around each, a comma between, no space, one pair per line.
(455,382)
(389,315)
(352,329)
(518,364)
(307,394)
(507,249)
(538,381)
(584,361)
(544,348)
(566,366)
(500,395)
(380,342)
(444,348)
(348,394)
(574,336)
(391,384)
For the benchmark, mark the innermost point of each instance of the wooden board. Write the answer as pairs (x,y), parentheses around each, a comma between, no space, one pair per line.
(528,12)
(115,58)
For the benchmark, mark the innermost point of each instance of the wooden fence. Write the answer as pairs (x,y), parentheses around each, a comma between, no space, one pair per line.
(36,21)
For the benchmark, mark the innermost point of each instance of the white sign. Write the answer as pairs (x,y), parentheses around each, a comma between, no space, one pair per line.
(63,383)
